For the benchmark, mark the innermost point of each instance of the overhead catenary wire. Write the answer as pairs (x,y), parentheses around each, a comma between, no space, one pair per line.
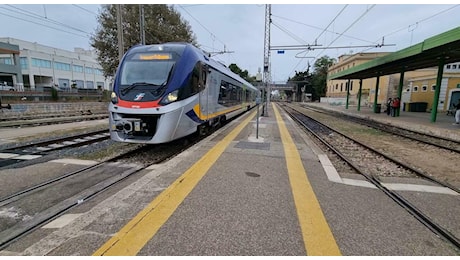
(84,9)
(412,24)
(421,21)
(324,30)
(321,29)
(333,20)
(348,28)
(43,18)
(292,35)
(204,27)
(44,25)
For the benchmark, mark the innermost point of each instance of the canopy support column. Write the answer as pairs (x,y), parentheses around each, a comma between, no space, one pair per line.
(400,88)
(348,93)
(376,94)
(434,108)
(359,93)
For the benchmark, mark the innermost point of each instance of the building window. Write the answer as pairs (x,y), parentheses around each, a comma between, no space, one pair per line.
(61,66)
(415,89)
(41,63)
(24,63)
(7,61)
(351,85)
(433,87)
(454,66)
(89,84)
(336,86)
(341,87)
(448,66)
(89,70)
(77,68)
(424,88)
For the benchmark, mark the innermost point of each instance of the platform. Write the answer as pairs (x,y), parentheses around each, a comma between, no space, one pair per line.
(255,187)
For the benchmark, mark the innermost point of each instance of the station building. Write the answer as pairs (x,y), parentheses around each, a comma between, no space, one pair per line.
(32,66)
(419,85)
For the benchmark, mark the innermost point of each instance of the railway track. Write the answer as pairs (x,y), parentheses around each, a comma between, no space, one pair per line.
(20,153)
(434,140)
(58,195)
(85,184)
(373,165)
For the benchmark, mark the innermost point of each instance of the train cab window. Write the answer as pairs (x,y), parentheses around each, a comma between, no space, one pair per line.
(193,84)
(152,68)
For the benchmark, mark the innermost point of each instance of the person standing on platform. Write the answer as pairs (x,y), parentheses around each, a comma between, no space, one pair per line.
(388,106)
(394,107)
(457,113)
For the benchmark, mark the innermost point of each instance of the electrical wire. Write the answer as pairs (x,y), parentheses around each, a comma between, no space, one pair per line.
(322,29)
(204,27)
(293,36)
(333,20)
(36,16)
(423,20)
(413,24)
(84,9)
(348,28)
(54,28)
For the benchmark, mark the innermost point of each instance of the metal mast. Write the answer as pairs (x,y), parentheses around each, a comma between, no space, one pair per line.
(267,78)
(141,24)
(120,33)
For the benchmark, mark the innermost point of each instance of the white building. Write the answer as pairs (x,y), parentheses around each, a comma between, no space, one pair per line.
(44,66)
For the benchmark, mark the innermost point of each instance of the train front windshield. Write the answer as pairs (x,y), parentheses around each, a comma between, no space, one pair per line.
(147,72)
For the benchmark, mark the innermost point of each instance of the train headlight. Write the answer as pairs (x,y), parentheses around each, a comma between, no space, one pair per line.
(114,98)
(171,97)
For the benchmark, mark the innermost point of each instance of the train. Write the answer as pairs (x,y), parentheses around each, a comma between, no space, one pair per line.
(163,92)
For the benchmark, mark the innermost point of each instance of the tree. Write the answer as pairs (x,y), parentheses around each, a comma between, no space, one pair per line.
(162,24)
(244,74)
(319,76)
(315,82)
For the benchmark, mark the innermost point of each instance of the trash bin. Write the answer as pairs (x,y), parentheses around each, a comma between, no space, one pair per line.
(378,108)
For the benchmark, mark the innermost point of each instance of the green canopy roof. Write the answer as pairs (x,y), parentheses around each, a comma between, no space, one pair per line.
(422,55)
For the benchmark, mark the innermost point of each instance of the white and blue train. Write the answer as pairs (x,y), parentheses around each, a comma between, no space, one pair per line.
(163,92)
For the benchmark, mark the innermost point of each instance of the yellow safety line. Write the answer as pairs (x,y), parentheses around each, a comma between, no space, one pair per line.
(136,233)
(317,236)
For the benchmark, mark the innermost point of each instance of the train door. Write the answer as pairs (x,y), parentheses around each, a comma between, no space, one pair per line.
(204,93)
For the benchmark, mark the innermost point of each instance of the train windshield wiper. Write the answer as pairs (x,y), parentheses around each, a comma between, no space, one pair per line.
(136,84)
(161,88)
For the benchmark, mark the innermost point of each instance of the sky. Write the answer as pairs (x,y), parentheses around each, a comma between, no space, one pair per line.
(331,29)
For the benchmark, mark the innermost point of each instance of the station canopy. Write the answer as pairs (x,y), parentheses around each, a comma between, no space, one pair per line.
(422,55)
